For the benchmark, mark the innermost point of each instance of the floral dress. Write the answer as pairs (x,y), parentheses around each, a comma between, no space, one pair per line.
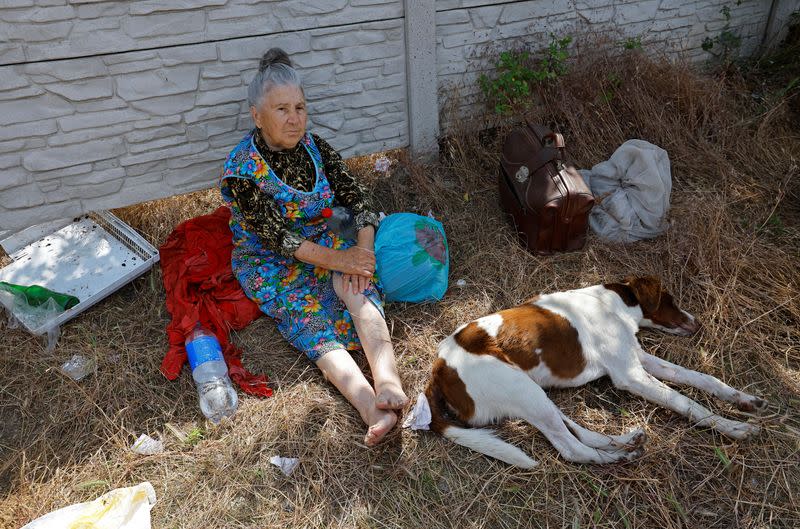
(297,295)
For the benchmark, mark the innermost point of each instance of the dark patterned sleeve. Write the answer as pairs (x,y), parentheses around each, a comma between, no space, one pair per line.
(263,218)
(348,192)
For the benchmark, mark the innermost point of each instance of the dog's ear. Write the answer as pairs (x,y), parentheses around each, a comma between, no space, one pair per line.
(647,290)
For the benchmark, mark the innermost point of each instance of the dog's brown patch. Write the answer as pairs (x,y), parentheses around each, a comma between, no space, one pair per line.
(625,292)
(527,336)
(529,328)
(447,393)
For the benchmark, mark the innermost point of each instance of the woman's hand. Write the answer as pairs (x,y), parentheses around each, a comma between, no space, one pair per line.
(356,261)
(356,283)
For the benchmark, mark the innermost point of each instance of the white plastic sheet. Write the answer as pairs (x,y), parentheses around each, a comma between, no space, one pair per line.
(125,508)
(286,464)
(420,416)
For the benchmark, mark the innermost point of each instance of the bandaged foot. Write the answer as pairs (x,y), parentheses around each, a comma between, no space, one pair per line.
(380,424)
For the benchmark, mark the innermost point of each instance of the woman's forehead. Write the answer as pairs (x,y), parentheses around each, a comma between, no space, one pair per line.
(284,94)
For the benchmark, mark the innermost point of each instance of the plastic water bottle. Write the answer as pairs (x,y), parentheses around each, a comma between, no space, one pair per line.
(218,399)
(340,220)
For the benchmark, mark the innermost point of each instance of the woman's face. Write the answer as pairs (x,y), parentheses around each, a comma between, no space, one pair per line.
(281,117)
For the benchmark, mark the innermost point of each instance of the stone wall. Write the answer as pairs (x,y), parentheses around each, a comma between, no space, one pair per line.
(105,103)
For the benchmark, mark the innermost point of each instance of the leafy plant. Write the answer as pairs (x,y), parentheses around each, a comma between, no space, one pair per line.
(516,75)
(726,45)
(512,86)
(194,436)
(632,43)
(613,83)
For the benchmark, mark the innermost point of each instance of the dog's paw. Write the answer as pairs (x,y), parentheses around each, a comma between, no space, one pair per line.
(638,440)
(741,430)
(636,453)
(751,404)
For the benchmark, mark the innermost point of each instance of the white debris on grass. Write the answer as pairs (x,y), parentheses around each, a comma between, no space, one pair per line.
(77,367)
(382,164)
(420,416)
(147,446)
(286,464)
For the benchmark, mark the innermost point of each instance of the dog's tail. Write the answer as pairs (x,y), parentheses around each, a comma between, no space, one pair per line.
(481,440)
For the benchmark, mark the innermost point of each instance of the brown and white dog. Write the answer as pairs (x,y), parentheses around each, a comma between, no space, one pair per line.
(496,366)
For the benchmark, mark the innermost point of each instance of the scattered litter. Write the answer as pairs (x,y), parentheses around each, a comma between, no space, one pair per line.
(381,216)
(88,258)
(430,214)
(461,283)
(382,164)
(147,446)
(77,367)
(125,508)
(286,464)
(177,432)
(420,416)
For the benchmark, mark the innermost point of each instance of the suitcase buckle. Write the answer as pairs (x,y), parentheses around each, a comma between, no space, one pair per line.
(522,174)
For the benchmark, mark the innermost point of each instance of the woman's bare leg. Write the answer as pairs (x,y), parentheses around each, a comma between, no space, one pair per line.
(342,371)
(374,336)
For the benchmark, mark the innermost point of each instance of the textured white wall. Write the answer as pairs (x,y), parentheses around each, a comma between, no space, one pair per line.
(107,103)
(85,123)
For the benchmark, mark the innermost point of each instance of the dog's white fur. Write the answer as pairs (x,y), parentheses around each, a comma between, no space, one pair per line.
(606,328)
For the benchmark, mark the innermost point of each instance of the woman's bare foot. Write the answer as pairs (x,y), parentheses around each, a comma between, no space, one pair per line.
(389,395)
(380,424)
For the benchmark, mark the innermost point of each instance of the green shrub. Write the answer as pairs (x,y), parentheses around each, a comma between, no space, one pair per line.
(517,74)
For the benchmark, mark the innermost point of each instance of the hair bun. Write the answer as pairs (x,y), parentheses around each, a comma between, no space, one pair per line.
(274,56)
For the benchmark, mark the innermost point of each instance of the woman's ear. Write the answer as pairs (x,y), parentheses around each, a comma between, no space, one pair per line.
(256,117)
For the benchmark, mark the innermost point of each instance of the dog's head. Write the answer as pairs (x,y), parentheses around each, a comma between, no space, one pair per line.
(659,310)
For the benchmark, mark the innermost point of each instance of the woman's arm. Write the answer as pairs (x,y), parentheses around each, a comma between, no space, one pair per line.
(357,260)
(347,190)
(263,218)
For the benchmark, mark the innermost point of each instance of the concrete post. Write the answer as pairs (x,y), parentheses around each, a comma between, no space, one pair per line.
(423,107)
(778,21)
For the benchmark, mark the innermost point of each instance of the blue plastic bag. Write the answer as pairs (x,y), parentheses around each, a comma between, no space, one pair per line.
(412,258)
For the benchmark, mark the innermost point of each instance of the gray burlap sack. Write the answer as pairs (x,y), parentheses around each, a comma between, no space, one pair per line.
(632,191)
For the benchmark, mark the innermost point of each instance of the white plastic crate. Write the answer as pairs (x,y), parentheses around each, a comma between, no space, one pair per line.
(89,257)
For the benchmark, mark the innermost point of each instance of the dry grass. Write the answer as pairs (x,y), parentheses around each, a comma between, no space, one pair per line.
(730,257)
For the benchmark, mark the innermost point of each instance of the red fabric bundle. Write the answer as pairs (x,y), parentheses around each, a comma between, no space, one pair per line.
(200,285)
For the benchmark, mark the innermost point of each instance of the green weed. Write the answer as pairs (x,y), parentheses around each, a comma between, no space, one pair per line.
(516,75)
(194,436)
(725,45)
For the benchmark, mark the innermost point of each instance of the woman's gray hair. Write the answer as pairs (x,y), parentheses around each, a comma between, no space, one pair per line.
(274,69)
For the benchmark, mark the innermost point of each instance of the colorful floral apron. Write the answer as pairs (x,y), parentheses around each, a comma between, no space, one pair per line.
(298,296)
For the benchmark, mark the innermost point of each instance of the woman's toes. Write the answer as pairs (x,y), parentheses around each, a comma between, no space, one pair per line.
(382,424)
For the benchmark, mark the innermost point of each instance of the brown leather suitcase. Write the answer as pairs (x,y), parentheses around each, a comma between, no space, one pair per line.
(548,201)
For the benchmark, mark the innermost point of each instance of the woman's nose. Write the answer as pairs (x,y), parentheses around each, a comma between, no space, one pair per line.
(294,116)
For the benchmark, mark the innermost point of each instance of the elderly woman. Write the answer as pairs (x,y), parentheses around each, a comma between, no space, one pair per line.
(318,287)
